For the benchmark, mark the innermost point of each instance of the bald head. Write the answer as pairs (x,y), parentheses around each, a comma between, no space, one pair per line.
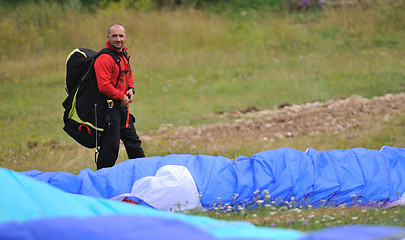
(115,25)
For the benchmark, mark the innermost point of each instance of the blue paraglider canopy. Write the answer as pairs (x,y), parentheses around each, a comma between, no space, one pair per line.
(335,177)
(48,205)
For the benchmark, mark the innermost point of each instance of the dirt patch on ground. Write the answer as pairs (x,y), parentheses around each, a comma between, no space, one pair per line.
(288,121)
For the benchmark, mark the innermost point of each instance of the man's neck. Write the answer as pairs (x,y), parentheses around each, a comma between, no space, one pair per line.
(119,49)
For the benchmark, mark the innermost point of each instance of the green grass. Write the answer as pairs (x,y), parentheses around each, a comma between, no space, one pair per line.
(301,215)
(309,219)
(192,63)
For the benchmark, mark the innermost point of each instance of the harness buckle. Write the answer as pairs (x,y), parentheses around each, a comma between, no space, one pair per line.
(110,103)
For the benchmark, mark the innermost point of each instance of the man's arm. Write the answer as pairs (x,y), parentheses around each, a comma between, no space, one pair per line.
(104,67)
(131,89)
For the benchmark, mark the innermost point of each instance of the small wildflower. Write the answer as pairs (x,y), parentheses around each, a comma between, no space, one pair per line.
(355,218)
(256,192)
(273,225)
(374,203)
(265,192)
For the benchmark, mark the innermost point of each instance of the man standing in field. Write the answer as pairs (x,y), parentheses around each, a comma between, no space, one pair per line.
(122,93)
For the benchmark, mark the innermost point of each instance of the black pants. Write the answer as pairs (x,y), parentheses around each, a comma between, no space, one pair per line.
(122,127)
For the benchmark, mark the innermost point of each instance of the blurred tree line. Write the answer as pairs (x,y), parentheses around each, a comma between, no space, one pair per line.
(149,4)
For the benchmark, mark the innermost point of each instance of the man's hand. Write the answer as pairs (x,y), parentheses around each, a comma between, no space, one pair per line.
(130,95)
(125,102)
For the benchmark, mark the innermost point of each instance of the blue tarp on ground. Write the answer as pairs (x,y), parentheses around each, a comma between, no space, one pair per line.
(47,209)
(313,177)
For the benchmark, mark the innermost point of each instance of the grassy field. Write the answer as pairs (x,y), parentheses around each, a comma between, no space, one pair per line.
(189,63)
(308,219)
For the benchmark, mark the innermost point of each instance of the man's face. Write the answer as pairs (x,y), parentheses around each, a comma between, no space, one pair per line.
(117,37)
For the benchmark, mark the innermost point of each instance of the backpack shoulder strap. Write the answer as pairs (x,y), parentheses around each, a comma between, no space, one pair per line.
(116,59)
(126,54)
(109,52)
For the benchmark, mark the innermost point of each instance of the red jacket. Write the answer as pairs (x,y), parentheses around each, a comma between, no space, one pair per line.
(107,73)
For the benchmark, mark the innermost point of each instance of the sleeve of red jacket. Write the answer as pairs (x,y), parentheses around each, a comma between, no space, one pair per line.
(104,67)
(131,80)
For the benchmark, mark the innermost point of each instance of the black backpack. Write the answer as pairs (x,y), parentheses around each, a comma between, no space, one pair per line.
(87,111)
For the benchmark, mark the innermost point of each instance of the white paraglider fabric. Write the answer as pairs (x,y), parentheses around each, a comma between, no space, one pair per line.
(171,189)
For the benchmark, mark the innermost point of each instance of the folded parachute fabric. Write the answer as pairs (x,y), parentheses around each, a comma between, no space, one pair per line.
(33,210)
(171,189)
(59,205)
(358,232)
(181,182)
